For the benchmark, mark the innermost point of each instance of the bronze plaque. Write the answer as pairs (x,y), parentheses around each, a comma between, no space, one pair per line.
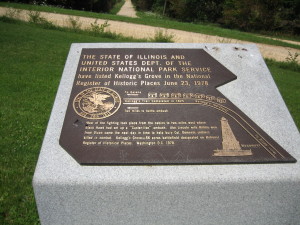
(159,106)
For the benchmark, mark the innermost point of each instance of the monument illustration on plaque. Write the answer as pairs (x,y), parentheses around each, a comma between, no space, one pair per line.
(159,106)
(231,147)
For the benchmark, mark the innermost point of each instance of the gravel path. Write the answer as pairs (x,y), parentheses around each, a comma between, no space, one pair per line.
(127,10)
(143,31)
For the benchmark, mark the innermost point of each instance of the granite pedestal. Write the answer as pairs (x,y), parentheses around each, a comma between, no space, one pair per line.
(68,193)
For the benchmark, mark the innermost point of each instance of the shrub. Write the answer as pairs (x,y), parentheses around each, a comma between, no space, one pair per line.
(97,29)
(74,23)
(184,10)
(287,65)
(161,36)
(144,5)
(35,17)
(264,15)
(292,58)
(88,5)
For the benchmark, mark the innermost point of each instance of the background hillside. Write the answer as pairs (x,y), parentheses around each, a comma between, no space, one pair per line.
(247,15)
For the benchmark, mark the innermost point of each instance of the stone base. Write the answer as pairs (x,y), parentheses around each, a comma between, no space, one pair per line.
(69,194)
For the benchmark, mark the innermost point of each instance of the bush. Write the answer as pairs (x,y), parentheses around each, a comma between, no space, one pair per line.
(161,36)
(35,17)
(184,10)
(248,15)
(196,10)
(290,17)
(87,5)
(97,29)
(251,14)
(287,65)
(143,5)
(74,22)
(264,15)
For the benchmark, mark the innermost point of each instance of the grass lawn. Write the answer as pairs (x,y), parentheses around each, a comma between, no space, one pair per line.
(287,78)
(153,20)
(32,60)
(31,63)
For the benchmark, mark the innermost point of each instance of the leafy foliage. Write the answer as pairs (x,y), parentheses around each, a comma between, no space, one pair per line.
(163,36)
(74,22)
(145,5)
(196,10)
(255,14)
(97,28)
(87,5)
(247,15)
(36,18)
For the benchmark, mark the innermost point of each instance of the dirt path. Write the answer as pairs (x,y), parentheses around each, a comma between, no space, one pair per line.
(143,31)
(287,41)
(127,10)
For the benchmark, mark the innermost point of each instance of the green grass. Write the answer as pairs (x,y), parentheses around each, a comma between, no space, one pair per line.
(153,20)
(287,78)
(31,63)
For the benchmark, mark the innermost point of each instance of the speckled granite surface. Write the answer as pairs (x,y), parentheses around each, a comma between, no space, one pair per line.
(68,193)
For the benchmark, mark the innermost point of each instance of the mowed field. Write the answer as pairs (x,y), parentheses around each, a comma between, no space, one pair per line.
(31,63)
